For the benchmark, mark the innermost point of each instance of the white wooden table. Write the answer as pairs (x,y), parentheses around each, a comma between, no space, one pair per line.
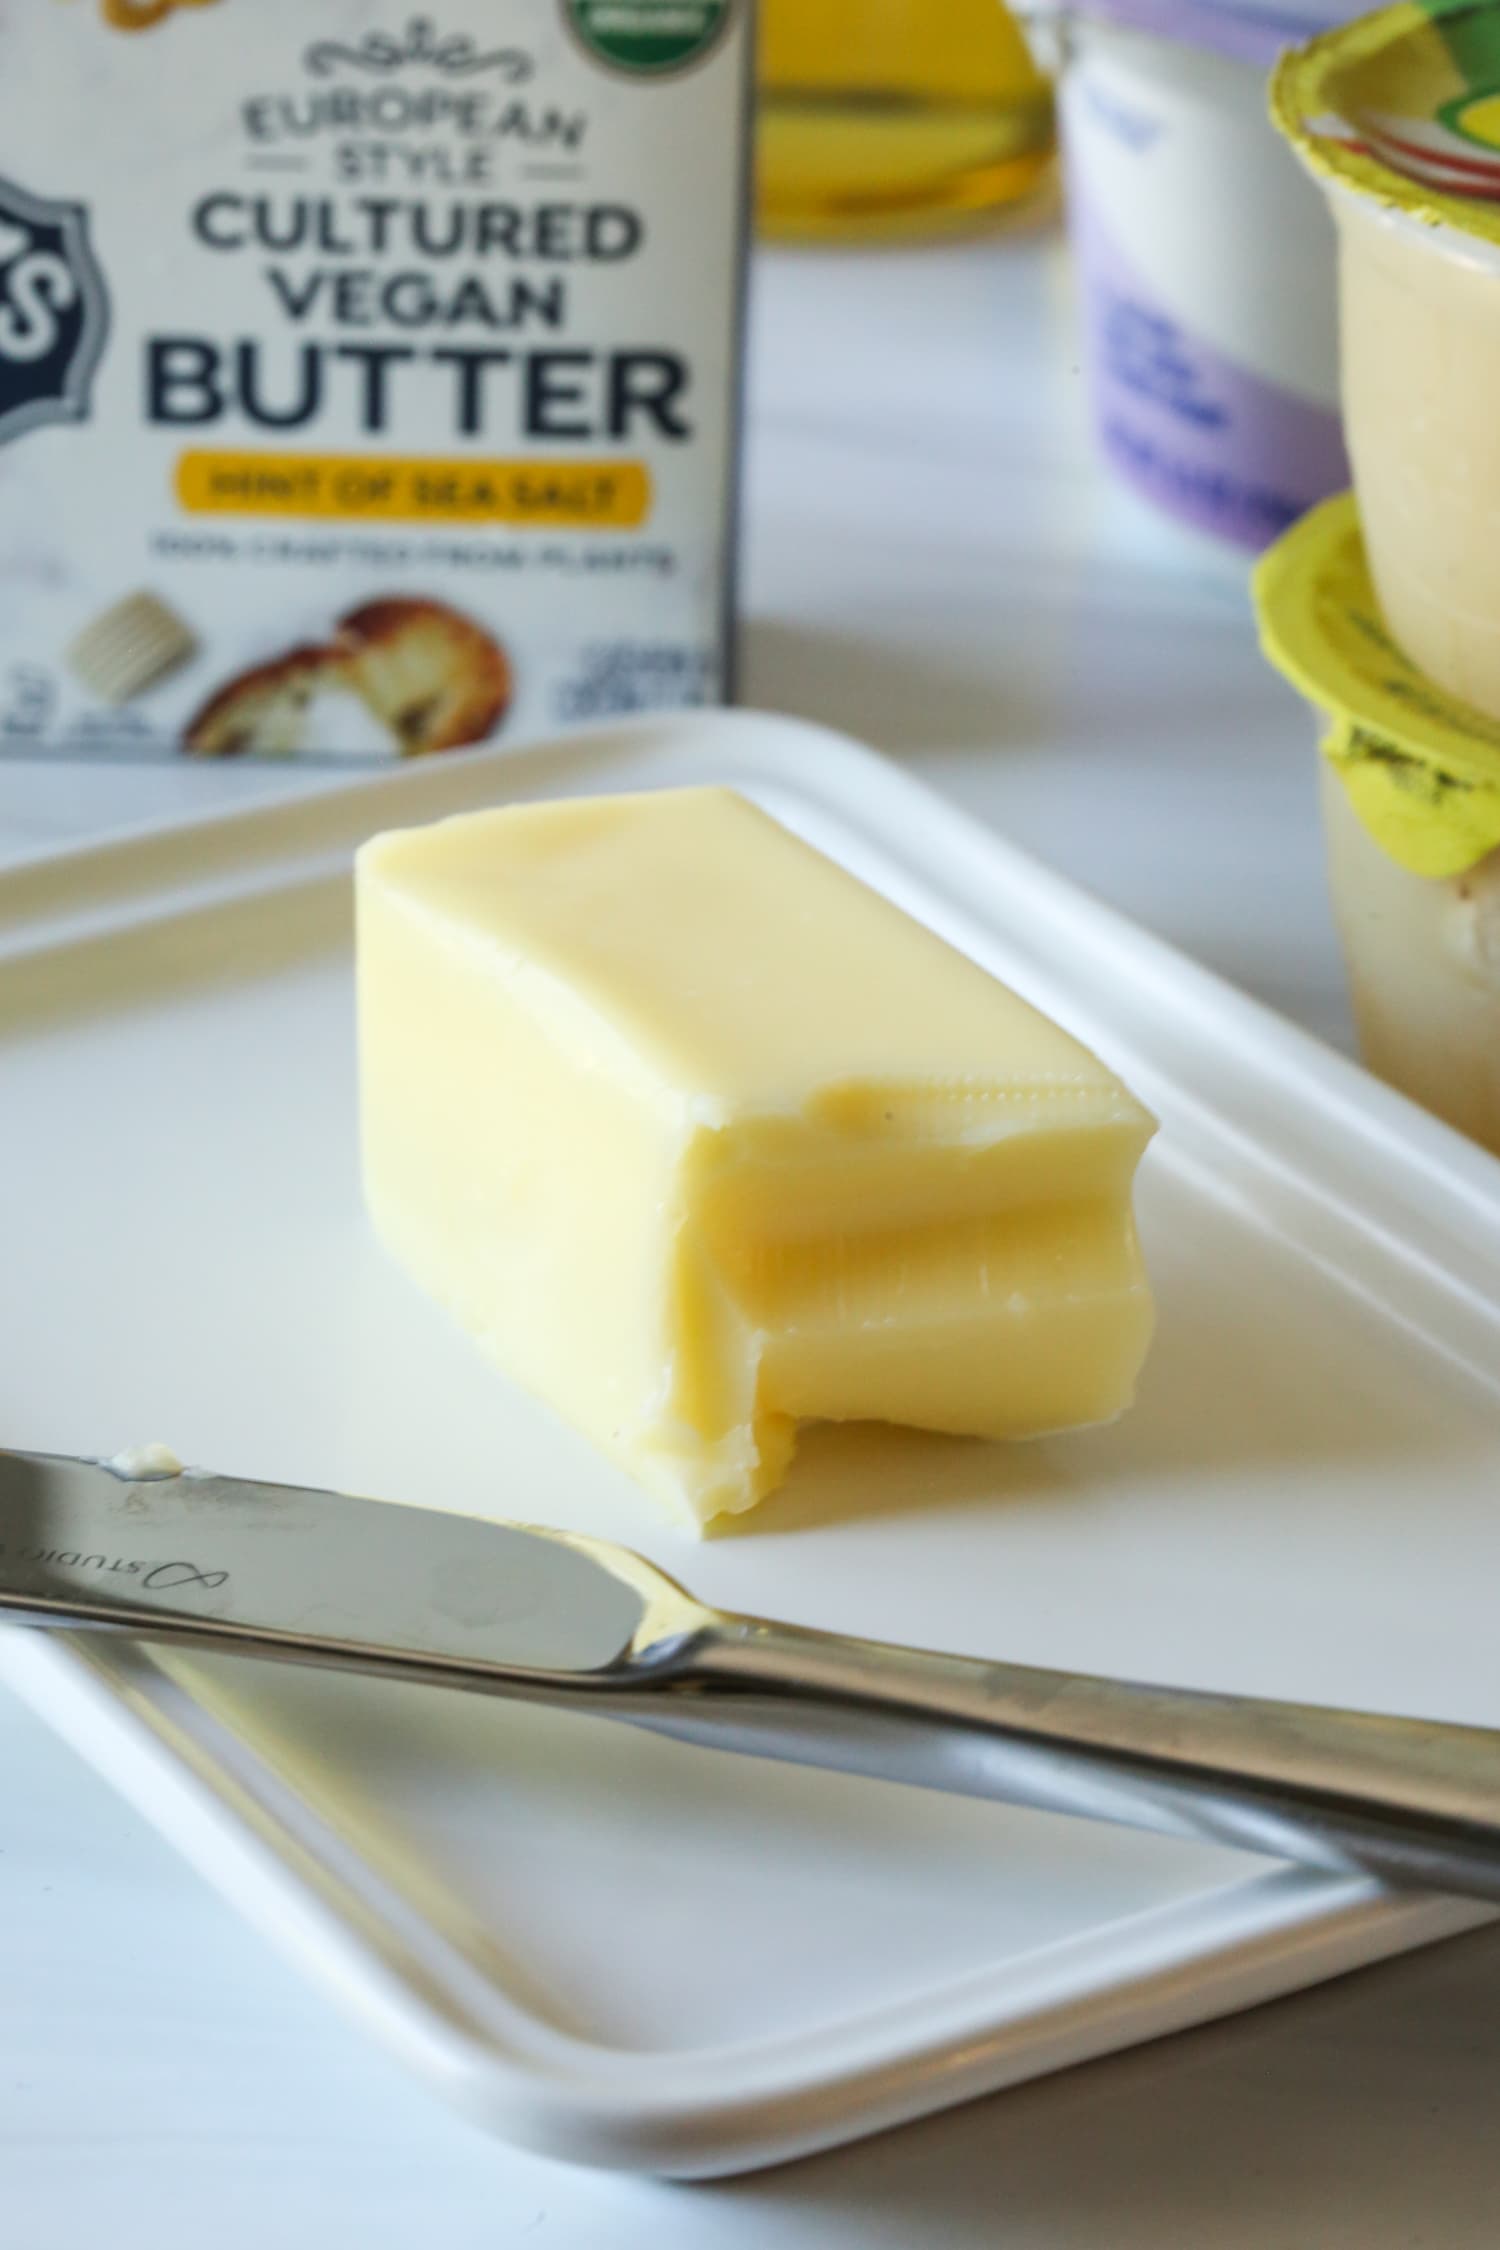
(933,564)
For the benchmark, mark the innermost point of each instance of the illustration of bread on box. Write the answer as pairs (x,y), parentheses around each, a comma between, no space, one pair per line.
(368,379)
(434,680)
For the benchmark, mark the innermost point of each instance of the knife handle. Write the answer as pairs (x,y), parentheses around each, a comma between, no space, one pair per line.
(1410,1801)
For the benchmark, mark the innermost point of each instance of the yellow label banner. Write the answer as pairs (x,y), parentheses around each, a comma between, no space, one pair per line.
(547,495)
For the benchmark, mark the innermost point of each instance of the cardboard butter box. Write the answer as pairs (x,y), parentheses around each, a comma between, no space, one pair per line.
(368,379)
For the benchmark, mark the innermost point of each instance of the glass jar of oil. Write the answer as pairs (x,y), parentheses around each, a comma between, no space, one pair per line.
(884,119)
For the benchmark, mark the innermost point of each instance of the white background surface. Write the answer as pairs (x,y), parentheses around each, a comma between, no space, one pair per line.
(934,565)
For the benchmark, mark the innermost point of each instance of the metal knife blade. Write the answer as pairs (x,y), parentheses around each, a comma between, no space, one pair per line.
(317,1578)
(188,1553)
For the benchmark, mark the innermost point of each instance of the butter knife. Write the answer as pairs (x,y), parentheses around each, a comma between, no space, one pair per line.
(226,1566)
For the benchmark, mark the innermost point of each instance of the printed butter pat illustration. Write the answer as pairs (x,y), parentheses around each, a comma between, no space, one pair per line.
(337,324)
(127,650)
(700,1139)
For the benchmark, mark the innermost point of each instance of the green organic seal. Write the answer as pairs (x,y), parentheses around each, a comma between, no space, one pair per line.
(651,37)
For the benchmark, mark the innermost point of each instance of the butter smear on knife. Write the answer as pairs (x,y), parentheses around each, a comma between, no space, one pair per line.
(701,1138)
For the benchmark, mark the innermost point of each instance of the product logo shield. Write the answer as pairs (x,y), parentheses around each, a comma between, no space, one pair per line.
(54,312)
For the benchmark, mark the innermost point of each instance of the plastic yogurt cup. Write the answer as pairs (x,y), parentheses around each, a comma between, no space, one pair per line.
(1411,796)
(1399,117)
(1206,264)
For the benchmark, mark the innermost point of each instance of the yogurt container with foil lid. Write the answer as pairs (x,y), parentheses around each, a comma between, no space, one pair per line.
(1398,117)
(1412,809)
(1422,768)
(1206,266)
(1404,106)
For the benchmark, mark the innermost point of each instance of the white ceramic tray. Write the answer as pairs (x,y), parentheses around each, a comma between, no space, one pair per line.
(608,1946)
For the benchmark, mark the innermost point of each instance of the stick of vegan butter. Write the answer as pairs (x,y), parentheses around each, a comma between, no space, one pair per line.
(700,1138)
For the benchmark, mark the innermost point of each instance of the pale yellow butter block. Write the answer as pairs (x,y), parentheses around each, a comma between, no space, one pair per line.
(701,1138)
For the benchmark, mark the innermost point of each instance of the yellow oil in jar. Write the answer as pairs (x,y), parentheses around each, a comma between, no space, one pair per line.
(890,119)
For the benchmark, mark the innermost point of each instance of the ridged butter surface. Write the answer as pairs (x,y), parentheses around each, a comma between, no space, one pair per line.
(700,1138)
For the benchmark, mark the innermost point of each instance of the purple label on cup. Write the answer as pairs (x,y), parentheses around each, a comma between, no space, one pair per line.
(1218,447)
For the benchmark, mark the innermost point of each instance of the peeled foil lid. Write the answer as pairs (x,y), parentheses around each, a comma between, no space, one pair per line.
(1422,769)
(1404,106)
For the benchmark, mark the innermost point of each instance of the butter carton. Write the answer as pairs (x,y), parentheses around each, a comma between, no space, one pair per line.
(368,378)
